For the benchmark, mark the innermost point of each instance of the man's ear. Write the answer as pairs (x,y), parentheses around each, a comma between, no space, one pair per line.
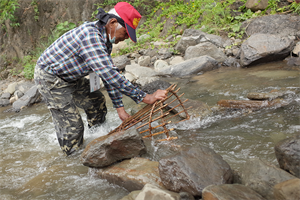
(113,21)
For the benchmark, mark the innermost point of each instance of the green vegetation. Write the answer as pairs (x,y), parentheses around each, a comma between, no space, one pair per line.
(215,17)
(7,12)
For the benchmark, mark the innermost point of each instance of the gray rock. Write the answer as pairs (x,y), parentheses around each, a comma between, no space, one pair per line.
(262,48)
(108,149)
(4,102)
(261,177)
(205,48)
(283,25)
(5,95)
(191,67)
(30,97)
(288,156)
(121,61)
(193,169)
(144,61)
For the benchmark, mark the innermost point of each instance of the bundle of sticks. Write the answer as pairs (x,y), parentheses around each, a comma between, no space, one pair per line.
(160,111)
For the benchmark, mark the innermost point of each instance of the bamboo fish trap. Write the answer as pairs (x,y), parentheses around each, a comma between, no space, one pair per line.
(159,112)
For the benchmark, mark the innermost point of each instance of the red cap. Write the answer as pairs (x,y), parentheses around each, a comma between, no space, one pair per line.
(130,16)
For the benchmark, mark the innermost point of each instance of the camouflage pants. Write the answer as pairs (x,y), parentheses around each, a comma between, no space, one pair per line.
(62,99)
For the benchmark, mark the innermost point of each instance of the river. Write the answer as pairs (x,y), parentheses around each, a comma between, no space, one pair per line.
(33,166)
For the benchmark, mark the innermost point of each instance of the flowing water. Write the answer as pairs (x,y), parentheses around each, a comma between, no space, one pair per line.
(33,167)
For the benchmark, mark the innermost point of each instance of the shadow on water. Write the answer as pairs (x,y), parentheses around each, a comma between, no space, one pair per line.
(33,167)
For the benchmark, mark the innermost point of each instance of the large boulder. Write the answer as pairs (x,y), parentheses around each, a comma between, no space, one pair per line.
(261,177)
(152,192)
(193,169)
(108,149)
(283,25)
(262,48)
(132,174)
(288,155)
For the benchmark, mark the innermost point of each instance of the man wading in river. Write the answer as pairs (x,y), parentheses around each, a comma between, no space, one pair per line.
(85,50)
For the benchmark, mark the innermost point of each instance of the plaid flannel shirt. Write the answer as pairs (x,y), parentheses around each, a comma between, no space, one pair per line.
(83,50)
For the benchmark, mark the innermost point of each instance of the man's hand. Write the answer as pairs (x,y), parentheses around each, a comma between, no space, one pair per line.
(123,115)
(158,95)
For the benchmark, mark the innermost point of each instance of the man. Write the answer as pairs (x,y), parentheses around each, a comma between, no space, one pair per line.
(85,50)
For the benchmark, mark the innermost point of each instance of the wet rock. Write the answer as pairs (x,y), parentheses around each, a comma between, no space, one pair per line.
(151,192)
(205,48)
(191,67)
(132,174)
(193,169)
(293,61)
(287,154)
(108,149)
(264,96)
(287,190)
(121,61)
(231,62)
(255,5)
(261,177)
(155,85)
(30,97)
(251,104)
(262,48)
(230,191)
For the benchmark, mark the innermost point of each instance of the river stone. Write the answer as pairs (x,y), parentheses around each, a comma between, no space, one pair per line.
(4,102)
(205,48)
(11,88)
(230,191)
(190,67)
(30,97)
(139,71)
(193,169)
(5,95)
(132,174)
(176,60)
(264,96)
(121,61)
(144,61)
(190,37)
(108,149)
(261,177)
(288,156)
(24,86)
(286,190)
(262,48)
(155,85)
(152,192)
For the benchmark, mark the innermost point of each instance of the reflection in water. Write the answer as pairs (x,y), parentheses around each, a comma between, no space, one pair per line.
(33,166)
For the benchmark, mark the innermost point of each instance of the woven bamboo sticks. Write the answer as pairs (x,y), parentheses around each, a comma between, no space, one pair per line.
(156,112)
